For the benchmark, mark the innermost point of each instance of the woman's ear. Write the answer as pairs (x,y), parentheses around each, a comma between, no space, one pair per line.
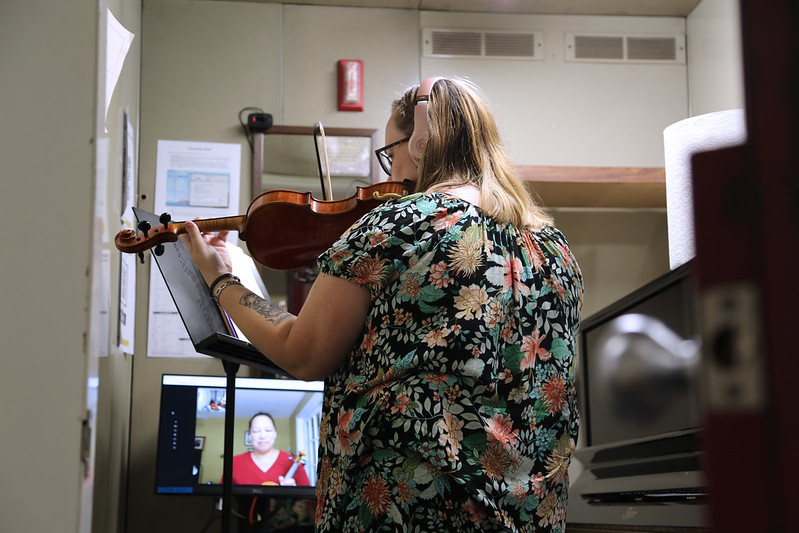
(416,148)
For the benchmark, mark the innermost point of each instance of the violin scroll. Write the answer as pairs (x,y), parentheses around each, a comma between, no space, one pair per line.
(129,241)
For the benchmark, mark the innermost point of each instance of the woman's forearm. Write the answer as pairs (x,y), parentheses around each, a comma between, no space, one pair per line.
(309,346)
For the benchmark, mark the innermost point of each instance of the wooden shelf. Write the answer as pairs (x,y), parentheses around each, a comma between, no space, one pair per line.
(631,187)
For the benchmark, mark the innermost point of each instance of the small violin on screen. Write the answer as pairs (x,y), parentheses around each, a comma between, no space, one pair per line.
(290,474)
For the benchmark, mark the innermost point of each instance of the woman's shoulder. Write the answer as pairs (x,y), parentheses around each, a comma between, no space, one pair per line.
(242,457)
(548,232)
(401,213)
(556,251)
(543,235)
(413,202)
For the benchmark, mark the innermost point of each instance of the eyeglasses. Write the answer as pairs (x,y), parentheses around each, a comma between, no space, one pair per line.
(384,158)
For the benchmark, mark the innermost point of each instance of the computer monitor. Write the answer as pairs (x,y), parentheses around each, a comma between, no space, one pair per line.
(641,409)
(667,301)
(192,430)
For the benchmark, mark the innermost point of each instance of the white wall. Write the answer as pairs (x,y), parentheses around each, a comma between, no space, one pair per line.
(715,64)
(316,37)
(559,112)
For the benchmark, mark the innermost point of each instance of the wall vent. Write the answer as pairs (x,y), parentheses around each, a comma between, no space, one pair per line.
(482,44)
(625,48)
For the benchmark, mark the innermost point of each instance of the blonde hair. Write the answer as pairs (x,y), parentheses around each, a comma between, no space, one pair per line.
(464,148)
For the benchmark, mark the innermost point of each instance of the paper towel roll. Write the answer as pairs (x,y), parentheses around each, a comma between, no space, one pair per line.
(681,140)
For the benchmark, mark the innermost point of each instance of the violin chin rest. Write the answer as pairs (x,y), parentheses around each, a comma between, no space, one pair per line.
(389,195)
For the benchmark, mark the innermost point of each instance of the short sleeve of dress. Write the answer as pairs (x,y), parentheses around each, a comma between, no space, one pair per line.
(364,253)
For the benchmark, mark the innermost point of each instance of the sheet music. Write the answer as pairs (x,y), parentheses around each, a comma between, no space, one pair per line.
(193,179)
(167,335)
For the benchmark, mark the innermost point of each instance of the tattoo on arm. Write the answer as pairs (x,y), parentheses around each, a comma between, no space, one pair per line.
(264,308)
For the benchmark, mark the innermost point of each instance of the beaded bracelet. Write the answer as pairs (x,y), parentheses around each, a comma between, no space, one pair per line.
(217,280)
(234,280)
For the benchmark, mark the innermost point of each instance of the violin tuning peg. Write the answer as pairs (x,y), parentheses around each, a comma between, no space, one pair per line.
(159,250)
(141,257)
(144,227)
(165,219)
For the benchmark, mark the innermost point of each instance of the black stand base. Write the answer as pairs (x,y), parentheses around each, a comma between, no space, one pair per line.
(227,469)
(258,511)
(276,515)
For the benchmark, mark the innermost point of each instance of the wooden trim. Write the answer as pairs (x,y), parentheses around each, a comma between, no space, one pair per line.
(626,187)
(308,130)
(593,174)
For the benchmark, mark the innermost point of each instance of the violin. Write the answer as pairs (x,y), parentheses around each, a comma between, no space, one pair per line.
(297,461)
(283,229)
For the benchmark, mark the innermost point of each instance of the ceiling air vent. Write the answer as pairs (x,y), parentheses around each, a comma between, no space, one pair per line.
(652,48)
(457,43)
(598,47)
(452,43)
(625,48)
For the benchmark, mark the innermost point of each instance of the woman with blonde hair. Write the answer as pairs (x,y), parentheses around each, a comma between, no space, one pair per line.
(444,324)
(463,148)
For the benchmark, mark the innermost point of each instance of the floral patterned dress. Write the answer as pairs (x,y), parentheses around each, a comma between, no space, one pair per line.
(457,409)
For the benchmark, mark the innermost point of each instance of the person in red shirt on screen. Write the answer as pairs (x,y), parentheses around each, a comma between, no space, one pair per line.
(265,464)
